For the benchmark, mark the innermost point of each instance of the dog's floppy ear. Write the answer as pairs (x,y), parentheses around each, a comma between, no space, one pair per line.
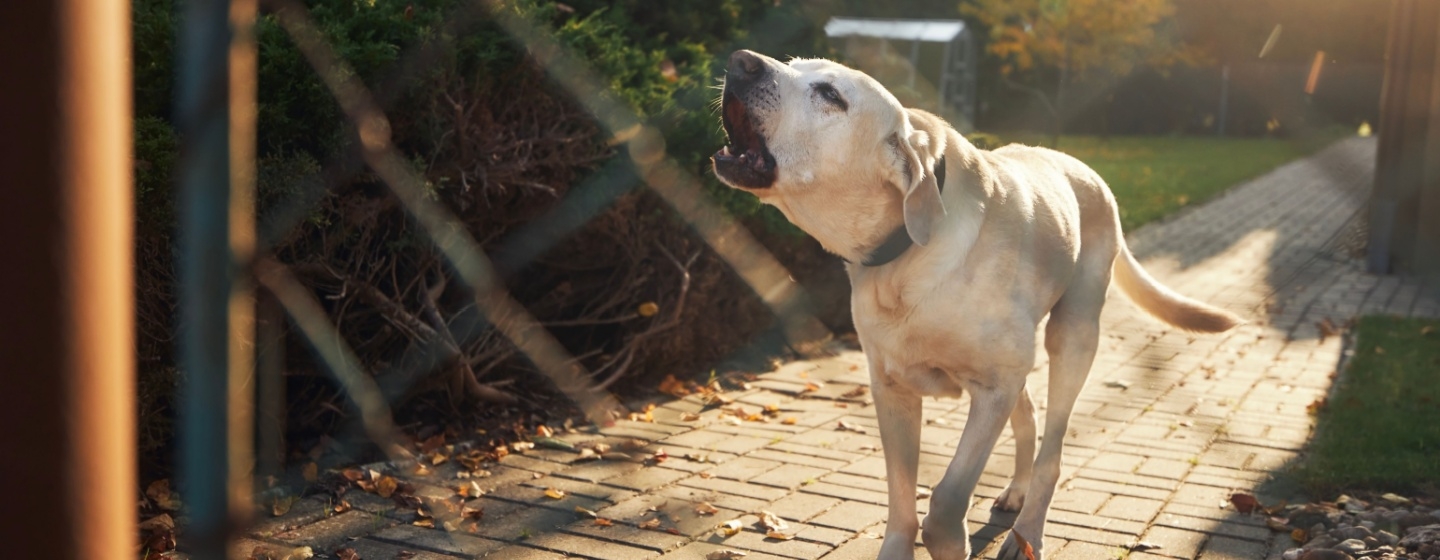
(916,158)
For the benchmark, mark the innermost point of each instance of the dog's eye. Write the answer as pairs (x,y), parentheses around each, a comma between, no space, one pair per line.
(830,95)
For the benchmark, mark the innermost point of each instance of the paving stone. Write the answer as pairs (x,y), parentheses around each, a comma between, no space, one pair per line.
(1131,508)
(597,471)
(856,549)
(1077,550)
(696,550)
(846,493)
(790,477)
(744,468)
(795,548)
(647,479)
(657,541)
(1225,548)
(801,506)
(755,491)
(372,549)
(852,516)
(452,544)
(1078,500)
(716,498)
(1175,542)
(513,521)
(1253,532)
(590,547)
(327,533)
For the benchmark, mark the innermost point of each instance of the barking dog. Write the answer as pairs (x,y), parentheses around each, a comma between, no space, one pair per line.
(955,257)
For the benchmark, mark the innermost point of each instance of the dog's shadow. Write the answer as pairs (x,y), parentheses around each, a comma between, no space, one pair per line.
(993,531)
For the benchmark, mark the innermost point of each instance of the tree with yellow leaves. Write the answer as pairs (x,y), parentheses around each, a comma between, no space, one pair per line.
(1076,39)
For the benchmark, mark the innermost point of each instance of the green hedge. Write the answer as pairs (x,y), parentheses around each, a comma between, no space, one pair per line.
(626,42)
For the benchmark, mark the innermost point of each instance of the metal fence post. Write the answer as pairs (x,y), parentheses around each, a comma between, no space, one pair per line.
(67,292)
(216,114)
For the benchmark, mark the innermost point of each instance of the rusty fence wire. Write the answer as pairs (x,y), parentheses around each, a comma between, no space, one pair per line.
(222,261)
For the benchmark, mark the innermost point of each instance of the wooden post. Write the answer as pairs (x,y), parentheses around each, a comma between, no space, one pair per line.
(68,340)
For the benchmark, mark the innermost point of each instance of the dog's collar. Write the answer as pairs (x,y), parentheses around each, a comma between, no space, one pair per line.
(899,240)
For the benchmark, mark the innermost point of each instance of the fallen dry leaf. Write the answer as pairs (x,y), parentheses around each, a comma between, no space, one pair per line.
(1244,503)
(470,490)
(857,392)
(726,554)
(811,387)
(587,513)
(310,471)
(162,522)
(777,535)
(282,505)
(689,417)
(652,524)
(425,522)
(789,421)
(674,387)
(554,493)
(472,512)
(159,492)
(729,528)
(341,506)
(437,458)
(552,443)
(849,427)
(1299,536)
(1142,546)
(772,522)
(347,554)
(601,521)
(706,509)
(386,486)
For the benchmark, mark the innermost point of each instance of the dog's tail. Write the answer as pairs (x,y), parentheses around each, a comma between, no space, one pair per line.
(1164,303)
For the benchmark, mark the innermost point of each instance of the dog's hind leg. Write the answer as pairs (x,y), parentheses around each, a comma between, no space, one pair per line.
(898,411)
(1071,338)
(1022,423)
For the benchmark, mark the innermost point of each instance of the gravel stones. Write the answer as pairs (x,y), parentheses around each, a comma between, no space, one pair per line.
(1391,527)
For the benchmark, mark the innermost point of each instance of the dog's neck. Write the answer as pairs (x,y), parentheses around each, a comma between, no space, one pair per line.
(899,240)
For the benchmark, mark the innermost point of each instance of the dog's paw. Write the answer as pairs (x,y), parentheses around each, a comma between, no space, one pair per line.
(1017,548)
(1011,499)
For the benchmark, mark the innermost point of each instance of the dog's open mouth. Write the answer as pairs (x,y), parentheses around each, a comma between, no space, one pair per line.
(745,162)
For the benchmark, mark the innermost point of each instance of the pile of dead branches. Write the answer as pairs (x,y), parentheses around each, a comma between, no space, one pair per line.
(630,292)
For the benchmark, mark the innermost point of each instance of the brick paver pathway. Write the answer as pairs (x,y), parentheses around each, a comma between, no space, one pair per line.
(1169,425)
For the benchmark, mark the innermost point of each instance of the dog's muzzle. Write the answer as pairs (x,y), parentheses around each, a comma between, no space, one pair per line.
(745,161)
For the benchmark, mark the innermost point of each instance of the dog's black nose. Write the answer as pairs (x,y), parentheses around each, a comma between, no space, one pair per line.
(744,66)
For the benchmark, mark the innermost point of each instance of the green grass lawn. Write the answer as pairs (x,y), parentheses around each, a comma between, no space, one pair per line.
(1381,430)
(1153,176)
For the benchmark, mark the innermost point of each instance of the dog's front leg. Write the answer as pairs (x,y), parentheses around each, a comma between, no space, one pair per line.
(946,533)
(898,410)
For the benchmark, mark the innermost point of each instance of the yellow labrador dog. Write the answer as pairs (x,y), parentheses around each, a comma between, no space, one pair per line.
(955,256)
